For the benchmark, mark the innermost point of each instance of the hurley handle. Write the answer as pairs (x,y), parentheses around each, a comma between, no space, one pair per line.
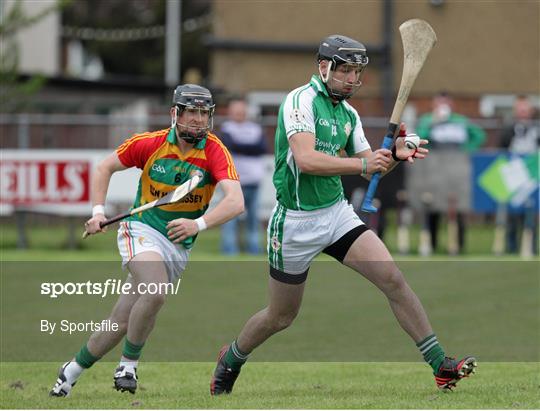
(367,204)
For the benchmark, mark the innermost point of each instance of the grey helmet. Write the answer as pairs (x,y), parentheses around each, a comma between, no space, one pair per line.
(339,50)
(192,96)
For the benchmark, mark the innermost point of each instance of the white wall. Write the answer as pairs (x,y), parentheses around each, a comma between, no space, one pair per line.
(39,44)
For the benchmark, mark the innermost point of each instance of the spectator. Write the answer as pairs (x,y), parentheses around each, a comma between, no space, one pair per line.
(520,137)
(245,140)
(446,131)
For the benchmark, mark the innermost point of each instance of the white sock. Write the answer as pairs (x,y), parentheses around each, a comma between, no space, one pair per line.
(128,362)
(72,371)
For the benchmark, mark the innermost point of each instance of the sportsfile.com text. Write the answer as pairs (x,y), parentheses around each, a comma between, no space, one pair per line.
(109,287)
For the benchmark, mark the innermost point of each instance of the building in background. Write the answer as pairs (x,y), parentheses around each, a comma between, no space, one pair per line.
(263,48)
(103,63)
(266,45)
(39,44)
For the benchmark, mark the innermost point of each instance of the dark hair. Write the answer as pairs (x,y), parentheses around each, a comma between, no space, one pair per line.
(237,97)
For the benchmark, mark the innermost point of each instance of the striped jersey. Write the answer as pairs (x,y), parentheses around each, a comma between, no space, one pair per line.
(164,167)
(337,129)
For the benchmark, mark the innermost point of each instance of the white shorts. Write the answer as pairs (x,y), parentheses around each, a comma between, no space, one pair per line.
(295,238)
(135,237)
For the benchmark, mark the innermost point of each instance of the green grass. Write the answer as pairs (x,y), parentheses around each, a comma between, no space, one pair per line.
(281,385)
(44,238)
(50,243)
(344,319)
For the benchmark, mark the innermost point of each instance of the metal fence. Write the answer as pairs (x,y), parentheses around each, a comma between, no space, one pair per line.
(98,131)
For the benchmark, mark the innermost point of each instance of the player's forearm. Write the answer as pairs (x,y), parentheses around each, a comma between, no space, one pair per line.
(229,207)
(100,184)
(321,164)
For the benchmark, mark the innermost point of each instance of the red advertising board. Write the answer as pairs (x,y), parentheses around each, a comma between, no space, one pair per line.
(44,181)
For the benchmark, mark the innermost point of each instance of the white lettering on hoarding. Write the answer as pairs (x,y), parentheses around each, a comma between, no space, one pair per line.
(51,192)
(44,181)
(6,181)
(73,175)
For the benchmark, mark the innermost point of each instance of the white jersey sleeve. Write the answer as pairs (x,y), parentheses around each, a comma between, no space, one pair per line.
(298,114)
(357,140)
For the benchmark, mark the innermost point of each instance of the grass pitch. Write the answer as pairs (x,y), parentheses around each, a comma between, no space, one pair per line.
(490,310)
(278,385)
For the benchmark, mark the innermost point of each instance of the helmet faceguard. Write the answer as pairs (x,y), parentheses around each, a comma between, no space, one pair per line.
(349,55)
(196,99)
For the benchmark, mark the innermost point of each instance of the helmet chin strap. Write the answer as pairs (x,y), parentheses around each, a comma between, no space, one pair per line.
(174,123)
(325,77)
(174,117)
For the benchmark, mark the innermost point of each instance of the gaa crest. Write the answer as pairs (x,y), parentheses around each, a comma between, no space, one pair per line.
(348,129)
(297,116)
(193,173)
(274,242)
(145,242)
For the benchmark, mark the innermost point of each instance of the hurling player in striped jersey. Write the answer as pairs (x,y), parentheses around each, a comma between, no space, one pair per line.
(155,245)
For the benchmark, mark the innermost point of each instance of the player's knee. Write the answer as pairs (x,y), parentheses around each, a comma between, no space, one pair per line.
(159,299)
(394,281)
(281,321)
(154,301)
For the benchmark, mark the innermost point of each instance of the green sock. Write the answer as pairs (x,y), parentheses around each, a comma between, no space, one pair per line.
(132,351)
(432,351)
(234,357)
(84,358)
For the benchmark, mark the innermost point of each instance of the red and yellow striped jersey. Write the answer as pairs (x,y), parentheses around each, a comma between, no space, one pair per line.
(164,167)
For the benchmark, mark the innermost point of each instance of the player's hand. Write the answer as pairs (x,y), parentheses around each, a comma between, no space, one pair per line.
(379,160)
(181,228)
(92,226)
(409,154)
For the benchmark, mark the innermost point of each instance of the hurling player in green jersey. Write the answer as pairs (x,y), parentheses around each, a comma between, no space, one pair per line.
(316,129)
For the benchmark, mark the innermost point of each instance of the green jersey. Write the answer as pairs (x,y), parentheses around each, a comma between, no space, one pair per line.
(455,132)
(336,127)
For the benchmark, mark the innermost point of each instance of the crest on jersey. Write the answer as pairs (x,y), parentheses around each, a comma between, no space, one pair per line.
(145,242)
(348,128)
(297,116)
(274,242)
(193,173)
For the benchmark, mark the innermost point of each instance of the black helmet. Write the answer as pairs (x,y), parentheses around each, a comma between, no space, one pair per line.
(339,50)
(192,96)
